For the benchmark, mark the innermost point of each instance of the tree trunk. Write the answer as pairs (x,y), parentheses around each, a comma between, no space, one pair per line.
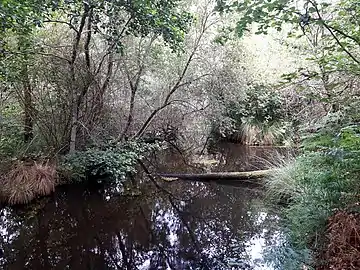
(216,176)
(74,118)
(28,107)
(74,88)
(131,113)
(24,42)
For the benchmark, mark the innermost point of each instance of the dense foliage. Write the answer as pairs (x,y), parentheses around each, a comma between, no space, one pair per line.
(315,194)
(77,75)
(259,117)
(61,83)
(59,67)
(113,162)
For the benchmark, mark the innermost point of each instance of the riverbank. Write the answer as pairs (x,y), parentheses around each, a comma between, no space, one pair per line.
(321,191)
(26,178)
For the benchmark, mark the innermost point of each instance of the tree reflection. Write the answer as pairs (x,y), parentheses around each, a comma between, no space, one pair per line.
(220,157)
(192,226)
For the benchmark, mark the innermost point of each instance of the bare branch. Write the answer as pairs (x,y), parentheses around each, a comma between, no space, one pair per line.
(179,83)
(63,22)
(46,54)
(193,80)
(357,41)
(112,46)
(134,86)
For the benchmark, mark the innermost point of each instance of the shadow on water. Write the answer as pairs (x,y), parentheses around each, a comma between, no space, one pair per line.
(222,157)
(183,225)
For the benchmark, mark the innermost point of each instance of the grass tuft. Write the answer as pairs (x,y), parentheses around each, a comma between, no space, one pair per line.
(45,176)
(282,184)
(256,133)
(25,181)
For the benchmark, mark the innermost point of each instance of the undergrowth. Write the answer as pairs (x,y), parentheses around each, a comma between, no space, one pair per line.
(315,186)
(259,118)
(111,162)
(343,245)
(24,179)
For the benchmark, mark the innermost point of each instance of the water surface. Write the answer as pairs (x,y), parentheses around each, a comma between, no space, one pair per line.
(177,225)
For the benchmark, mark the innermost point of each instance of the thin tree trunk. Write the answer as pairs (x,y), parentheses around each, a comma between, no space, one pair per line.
(73,132)
(135,86)
(131,112)
(179,83)
(74,95)
(28,107)
(24,42)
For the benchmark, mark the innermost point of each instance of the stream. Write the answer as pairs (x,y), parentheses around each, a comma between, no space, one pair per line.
(171,225)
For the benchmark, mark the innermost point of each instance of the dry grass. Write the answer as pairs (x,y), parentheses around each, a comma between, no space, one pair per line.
(46,178)
(343,248)
(25,181)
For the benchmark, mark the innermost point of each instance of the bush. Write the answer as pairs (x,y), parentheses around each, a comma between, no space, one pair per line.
(259,118)
(111,162)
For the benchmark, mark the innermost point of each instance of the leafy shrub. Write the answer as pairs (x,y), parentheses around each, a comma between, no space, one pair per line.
(258,118)
(260,105)
(111,162)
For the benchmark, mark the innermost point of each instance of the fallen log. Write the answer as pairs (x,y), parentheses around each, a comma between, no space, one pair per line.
(216,175)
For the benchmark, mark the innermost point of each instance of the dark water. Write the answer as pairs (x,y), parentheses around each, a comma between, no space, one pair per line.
(177,225)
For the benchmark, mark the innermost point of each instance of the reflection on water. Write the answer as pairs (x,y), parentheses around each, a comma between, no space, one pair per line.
(224,157)
(197,226)
(180,225)
(235,157)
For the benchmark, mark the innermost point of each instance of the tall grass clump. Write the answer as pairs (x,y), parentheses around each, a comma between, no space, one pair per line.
(27,180)
(281,183)
(315,185)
